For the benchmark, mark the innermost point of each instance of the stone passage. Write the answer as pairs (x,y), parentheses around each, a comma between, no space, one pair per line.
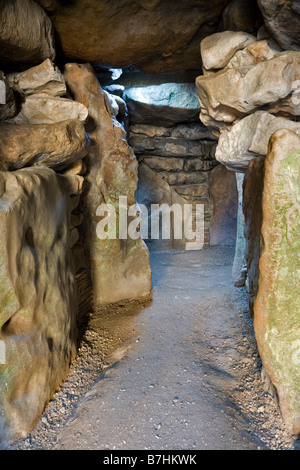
(249,99)
(177,166)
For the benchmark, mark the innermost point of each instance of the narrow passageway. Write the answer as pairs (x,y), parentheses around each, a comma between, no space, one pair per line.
(181,373)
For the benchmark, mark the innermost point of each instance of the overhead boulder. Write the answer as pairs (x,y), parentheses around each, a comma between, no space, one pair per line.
(153,35)
(119,265)
(241,15)
(282,18)
(26,33)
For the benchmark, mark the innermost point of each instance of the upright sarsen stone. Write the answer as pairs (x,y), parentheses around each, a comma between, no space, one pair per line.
(277,306)
(252,207)
(120,269)
(38,300)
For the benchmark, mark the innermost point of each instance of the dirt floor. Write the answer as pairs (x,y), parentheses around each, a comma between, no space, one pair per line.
(178,372)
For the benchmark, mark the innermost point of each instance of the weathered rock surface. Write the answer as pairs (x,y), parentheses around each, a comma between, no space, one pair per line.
(44,78)
(269,84)
(252,208)
(282,19)
(38,294)
(48,110)
(223,191)
(249,138)
(156,36)
(120,269)
(26,33)
(56,146)
(277,306)
(219,48)
(163,105)
(189,131)
(153,189)
(171,146)
(255,53)
(241,15)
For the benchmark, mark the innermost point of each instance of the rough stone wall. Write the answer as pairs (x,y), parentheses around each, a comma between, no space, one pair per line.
(249,99)
(177,164)
(157,36)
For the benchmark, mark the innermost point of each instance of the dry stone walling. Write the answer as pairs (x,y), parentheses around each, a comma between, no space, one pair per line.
(177,165)
(249,98)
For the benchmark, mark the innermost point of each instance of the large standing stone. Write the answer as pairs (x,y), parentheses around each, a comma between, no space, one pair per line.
(38,301)
(120,269)
(277,306)
(252,208)
(282,19)
(26,33)
(249,138)
(54,145)
(223,191)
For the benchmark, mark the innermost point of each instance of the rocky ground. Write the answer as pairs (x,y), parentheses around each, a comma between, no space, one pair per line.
(180,371)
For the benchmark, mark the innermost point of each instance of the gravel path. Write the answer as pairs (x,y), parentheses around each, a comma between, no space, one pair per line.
(180,372)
